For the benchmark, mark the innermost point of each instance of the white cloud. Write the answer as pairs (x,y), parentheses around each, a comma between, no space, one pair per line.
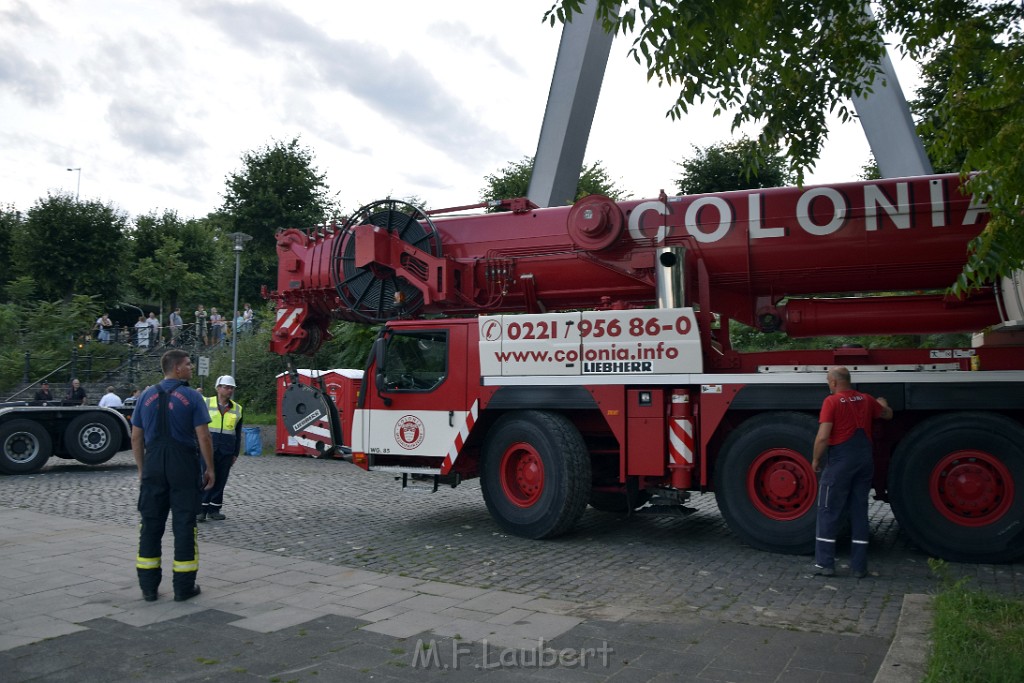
(156,102)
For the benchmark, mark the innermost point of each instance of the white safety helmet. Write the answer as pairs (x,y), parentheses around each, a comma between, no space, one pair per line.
(226,381)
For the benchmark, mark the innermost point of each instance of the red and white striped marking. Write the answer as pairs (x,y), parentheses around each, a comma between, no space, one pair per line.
(319,431)
(289,319)
(680,442)
(460,438)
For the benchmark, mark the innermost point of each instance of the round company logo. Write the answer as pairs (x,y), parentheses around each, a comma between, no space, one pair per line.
(491,330)
(409,432)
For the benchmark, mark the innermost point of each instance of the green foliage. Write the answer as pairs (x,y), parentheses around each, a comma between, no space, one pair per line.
(22,289)
(9,221)
(786,68)
(727,166)
(179,261)
(513,181)
(349,346)
(165,274)
(748,339)
(70,247)
(278,187)
(52,324)
(977,637)
(47,329)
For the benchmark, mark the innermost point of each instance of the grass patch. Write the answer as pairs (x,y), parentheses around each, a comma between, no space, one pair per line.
(978,637)
(255,419)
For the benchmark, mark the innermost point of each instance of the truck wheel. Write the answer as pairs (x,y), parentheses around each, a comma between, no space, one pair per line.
(25,446)
(764,483)
(93,438)
(536,474)
(956,486)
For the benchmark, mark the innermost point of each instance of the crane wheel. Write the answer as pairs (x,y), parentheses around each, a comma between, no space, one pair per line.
(764,483)
(956,486)
(536,474)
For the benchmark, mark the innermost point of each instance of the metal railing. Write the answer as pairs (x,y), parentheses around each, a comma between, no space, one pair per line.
(144,358)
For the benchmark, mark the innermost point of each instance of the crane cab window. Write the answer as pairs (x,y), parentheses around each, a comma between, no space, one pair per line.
(415,361)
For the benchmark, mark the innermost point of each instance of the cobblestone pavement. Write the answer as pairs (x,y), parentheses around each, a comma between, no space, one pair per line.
(336,513)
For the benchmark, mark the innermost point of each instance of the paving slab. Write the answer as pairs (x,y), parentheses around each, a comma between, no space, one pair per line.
(670,598)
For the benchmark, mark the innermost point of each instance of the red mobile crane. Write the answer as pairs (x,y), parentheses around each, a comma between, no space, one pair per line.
(592,361)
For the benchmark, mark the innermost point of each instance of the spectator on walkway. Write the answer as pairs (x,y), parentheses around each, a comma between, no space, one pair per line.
(44,392)
(201,321)
(133,399)
(239,327)
(103,328)
(142,333)
(110,399)
(176,324)
(76,394)
(216,327)
(247,316)
(154,329)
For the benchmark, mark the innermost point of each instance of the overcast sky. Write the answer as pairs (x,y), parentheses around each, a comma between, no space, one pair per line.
(157,101)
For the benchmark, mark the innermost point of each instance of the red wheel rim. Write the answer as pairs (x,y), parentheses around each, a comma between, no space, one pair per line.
(781,484)
(971,488)
(522,475)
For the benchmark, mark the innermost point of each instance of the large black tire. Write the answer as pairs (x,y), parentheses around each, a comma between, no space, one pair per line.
(956,487)
(25,446)
(93,438)
(536,474)
(764,483)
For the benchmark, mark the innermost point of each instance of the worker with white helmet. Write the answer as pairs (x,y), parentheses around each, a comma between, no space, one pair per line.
(226,430)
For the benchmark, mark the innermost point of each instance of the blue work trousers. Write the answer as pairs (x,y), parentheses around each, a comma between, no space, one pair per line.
(843,487)
(213,499)
(170,483)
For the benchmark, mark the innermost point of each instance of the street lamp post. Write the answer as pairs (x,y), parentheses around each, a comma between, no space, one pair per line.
(240,239)
(79,185)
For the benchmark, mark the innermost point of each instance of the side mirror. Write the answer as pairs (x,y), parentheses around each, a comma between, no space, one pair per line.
(378,374)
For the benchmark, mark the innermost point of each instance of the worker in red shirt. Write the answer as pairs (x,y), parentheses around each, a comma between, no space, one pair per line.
(844,444)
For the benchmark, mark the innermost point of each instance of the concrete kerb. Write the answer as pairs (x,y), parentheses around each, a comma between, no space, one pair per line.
(907,658)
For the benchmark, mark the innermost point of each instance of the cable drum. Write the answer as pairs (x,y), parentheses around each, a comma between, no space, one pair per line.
(375,293)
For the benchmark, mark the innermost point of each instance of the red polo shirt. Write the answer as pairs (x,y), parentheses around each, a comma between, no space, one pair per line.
(849,411)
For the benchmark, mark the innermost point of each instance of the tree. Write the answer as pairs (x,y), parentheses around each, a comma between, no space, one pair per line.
(9,222)
(72,247)
(787,67)
(278,187)
(513,181)
(165,274)
(178,259)
(725,166)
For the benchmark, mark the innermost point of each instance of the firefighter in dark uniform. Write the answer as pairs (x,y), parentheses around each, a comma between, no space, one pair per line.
(844,443)
(226,431)
(168,420)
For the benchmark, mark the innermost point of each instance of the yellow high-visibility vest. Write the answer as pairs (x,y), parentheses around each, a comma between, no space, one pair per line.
(225,423)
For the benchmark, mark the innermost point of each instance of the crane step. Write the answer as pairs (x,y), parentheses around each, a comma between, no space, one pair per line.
(668,510)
